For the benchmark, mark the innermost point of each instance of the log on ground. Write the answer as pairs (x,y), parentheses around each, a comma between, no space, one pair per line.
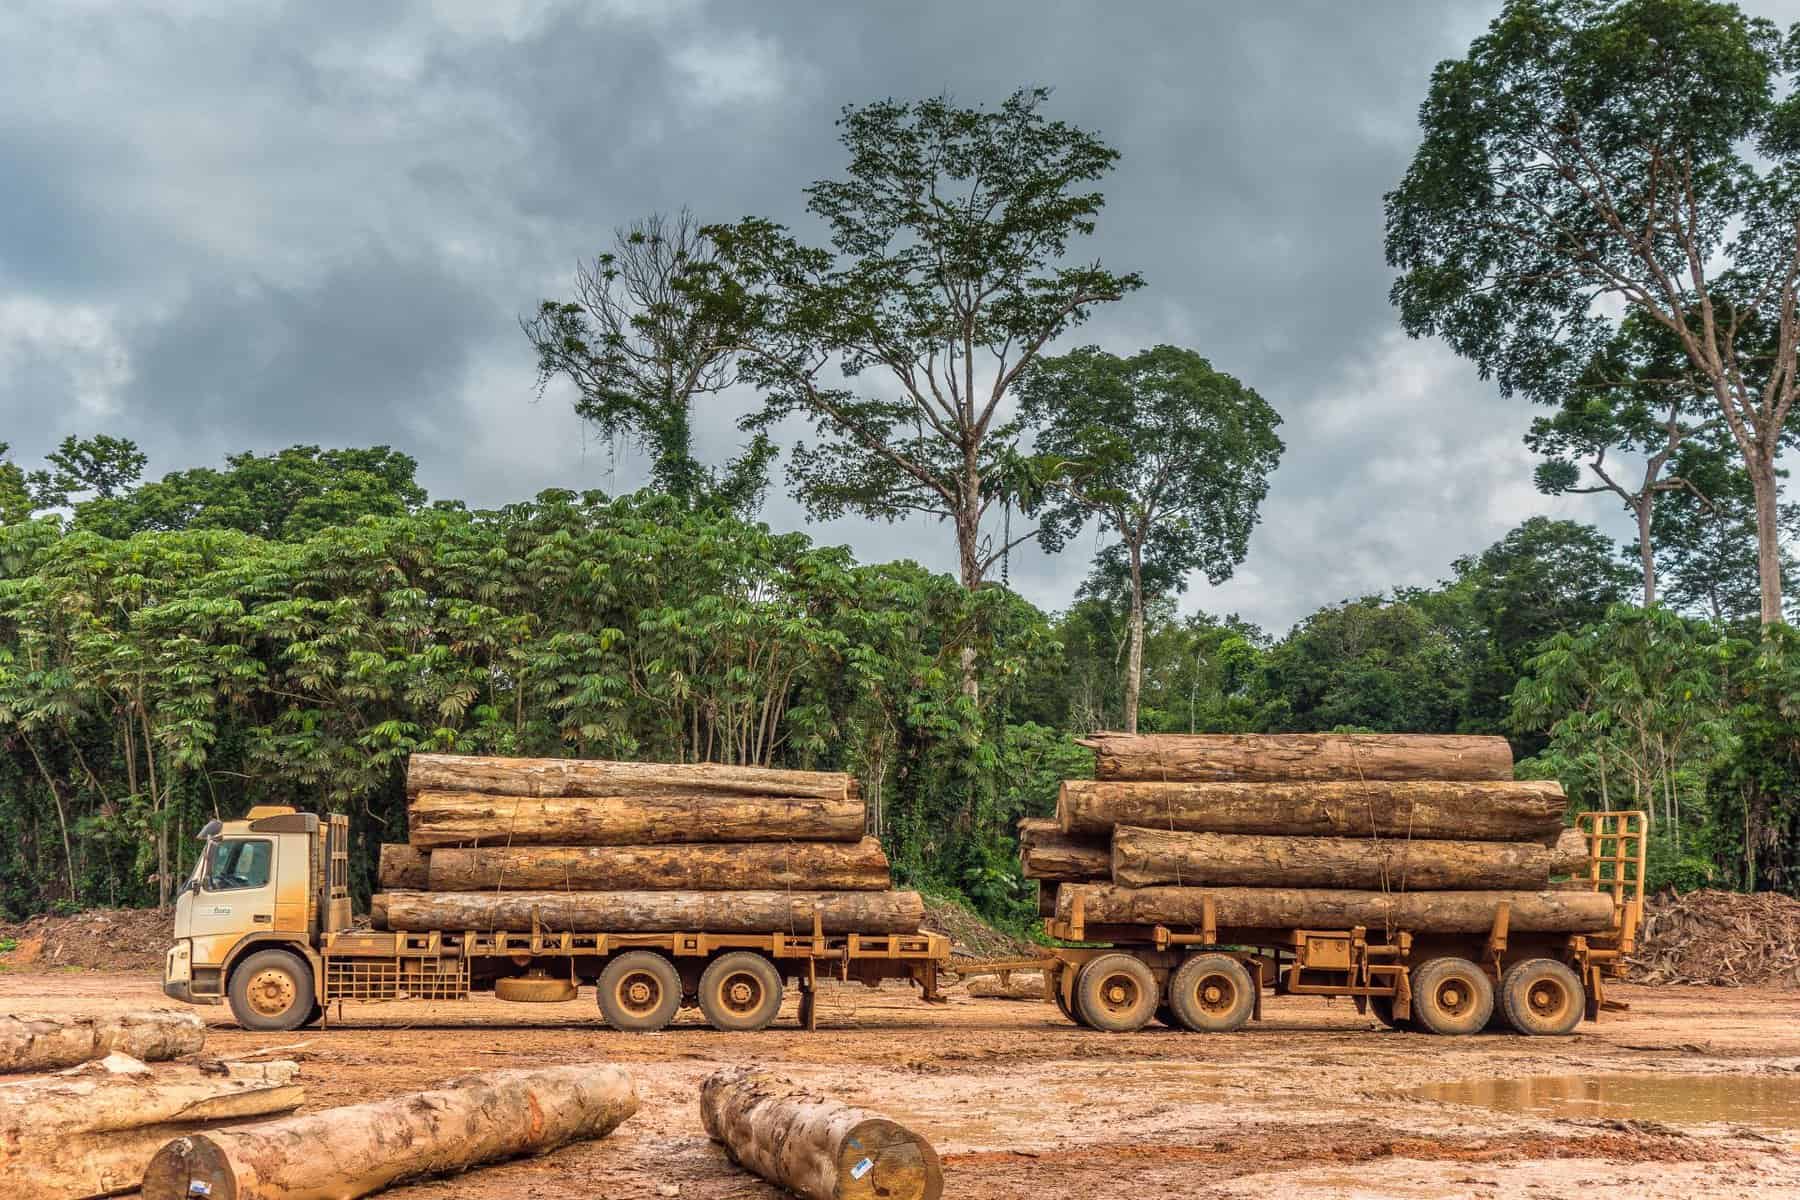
(338,1153)
(1011,985)
(701,867)
(93,1130)
(1046,852)
(465,818)
(812,1145)
(1319,908)
(1150,857)
(403,868)
(654,912)
(602,777)
(47,1042)
(1296,757)
(1525,810)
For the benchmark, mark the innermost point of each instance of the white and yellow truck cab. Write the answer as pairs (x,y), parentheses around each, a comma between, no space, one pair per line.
(267,893)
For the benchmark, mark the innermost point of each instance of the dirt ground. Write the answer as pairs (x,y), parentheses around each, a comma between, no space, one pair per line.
(1314,1101)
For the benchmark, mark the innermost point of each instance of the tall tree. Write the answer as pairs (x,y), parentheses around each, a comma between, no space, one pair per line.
(101,467)
(1593,157)
(1172,456)
(642,347)
(946,275)
(1637,399)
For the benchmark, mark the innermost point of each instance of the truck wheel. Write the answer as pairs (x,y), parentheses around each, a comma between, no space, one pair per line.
(1542,997)
(1062,1006)
(535,988)
(272,991)
(1212,993)
(740,992)
(1451,996)
(639,991)
(1116,994)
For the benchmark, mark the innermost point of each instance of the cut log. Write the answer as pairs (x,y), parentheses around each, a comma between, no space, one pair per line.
(404,868)
(338,1153)
(93,1130)
(603,778)
(1046,852)
(45,1042)
(1013,985)
(1148,857)
(814,1146)
(1526,810)
(1046,898)
(463,818)
(1318,908)
(1296,757)
(805,866)
(655,912)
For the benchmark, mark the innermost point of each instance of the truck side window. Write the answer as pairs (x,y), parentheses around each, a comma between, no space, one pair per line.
(238,863)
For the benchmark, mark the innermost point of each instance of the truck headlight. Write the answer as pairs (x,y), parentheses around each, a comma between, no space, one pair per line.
(178,967)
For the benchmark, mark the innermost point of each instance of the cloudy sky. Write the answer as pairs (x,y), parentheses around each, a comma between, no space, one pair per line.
(243,225)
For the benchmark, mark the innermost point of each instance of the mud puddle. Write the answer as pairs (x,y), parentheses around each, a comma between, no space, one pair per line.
(1770,1102)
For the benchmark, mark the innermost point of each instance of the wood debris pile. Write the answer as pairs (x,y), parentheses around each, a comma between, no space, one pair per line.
(1719,939)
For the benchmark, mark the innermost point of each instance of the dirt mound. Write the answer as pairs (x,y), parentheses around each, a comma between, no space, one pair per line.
(1723,939)
(101,939)
(970,936)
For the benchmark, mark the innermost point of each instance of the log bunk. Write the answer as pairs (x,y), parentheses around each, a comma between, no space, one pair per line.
(1350,862)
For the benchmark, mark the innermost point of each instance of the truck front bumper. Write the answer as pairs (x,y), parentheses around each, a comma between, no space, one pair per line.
(178,975)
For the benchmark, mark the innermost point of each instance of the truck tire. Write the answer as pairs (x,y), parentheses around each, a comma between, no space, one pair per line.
(272,991)
(740,992)
(1451,996)
(1116,993)
(1062,1006)
(1212,993)
(534,989)
(639,991)
(1542,997)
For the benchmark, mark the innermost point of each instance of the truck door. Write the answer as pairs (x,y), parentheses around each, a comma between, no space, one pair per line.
(237,890)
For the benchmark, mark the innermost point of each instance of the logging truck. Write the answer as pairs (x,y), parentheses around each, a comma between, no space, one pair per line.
(264,925)
(1536,962)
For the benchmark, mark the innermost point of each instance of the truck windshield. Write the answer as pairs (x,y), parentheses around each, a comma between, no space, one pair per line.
(238,863)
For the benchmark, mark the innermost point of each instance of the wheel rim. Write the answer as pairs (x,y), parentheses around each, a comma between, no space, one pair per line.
(1454,997)
(1547,999)
(741,993)
(1216,993)
(639,993)
(1119,993)
(271,992)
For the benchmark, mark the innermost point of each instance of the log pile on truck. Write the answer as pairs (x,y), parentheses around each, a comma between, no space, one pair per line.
(1386,837)
(511,844)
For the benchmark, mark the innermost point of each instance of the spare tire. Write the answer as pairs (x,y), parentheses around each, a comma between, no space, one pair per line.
(534,989)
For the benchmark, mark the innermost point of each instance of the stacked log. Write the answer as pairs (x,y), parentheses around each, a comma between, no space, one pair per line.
(1330,831)
(513,844)
(92,1130)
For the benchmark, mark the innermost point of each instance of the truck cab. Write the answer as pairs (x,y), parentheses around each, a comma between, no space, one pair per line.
(266,893)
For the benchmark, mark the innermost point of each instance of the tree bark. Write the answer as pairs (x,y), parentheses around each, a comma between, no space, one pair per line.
(32,1042)
(451,818)
(92,1131)
(338,1153)
(1296,757)
(652,912)
(1471,811)
(403,868)
(805,866)
(1644,509)
(1243,908)
(1134,659)
(1765,488)
(1046,852)
(603,778)
(1150,857)
(813,1146)
(1014,985)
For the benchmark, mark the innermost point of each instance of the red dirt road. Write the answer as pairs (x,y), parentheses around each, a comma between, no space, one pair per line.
(1314,1101)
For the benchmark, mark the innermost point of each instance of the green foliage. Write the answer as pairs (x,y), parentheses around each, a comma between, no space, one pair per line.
(946,275)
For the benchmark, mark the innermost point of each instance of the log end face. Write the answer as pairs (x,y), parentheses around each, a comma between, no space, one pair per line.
(190,1168)
(880,1160)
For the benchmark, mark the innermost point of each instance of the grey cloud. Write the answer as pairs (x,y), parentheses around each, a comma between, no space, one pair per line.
(224,228)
